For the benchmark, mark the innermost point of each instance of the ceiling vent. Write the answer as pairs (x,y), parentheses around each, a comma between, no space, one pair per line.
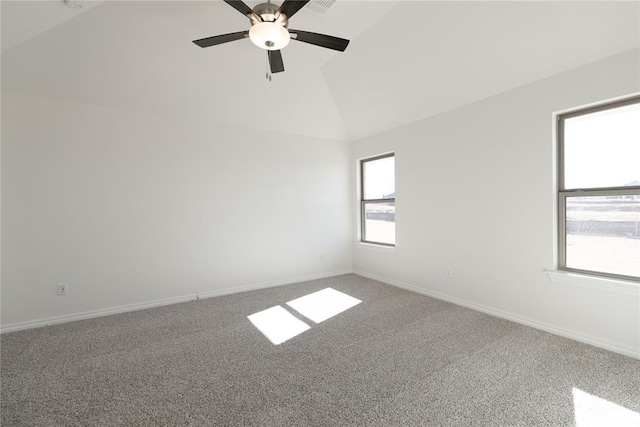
(73,4)
(320,6)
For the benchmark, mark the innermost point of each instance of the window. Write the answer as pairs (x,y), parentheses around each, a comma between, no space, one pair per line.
(378,200)
(599,190)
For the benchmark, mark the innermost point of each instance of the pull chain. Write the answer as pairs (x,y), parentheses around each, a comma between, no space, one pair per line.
(268,74)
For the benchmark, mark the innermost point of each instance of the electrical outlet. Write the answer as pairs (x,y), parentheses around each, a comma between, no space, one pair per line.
(449,273)
(63,289)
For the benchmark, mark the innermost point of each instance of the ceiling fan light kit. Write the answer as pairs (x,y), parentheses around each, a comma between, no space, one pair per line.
(269,35)
(269,31)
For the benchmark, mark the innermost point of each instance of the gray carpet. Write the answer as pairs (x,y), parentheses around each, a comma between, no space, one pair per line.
(396,359)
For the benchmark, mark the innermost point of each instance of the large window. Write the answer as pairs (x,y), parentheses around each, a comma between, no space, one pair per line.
(378,200)
(599,190)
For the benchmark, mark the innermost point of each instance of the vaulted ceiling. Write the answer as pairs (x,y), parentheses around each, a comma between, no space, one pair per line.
(407,59)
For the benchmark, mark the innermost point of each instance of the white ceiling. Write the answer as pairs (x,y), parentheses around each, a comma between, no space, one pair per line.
(407,59)
(27,19)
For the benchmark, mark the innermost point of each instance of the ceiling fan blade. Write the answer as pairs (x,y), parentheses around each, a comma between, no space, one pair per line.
(275,61)
(223,38)
(239,6)
(290,7)
(322,40)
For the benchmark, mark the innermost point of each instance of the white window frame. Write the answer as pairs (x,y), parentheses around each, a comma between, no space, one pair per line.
(364,201)
(563,193)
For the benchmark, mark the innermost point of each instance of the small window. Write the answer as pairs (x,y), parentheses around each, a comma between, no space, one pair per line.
(378,200)
(599,190)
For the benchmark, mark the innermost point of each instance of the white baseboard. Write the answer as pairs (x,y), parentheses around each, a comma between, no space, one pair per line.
(12,327)
(626,351)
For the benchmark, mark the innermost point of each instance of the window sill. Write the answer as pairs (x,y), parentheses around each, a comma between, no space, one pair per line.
(375,248)
(616,286)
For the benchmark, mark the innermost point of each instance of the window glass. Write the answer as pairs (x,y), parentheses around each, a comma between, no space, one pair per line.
(602,149)
(603,234)
(379,177)
(380,223)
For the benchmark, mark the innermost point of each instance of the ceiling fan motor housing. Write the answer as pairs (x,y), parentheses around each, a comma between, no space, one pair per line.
(267,11)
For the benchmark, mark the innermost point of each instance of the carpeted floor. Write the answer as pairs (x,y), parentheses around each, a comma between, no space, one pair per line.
(395,359)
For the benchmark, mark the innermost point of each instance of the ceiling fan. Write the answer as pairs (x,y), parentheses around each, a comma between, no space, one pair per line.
(269,31)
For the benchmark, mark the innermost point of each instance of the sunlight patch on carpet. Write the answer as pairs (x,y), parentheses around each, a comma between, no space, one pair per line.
(590,410)
(322,305)
(278,324)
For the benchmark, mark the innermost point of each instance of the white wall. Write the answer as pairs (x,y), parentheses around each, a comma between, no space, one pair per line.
(475,192)
(129,208)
